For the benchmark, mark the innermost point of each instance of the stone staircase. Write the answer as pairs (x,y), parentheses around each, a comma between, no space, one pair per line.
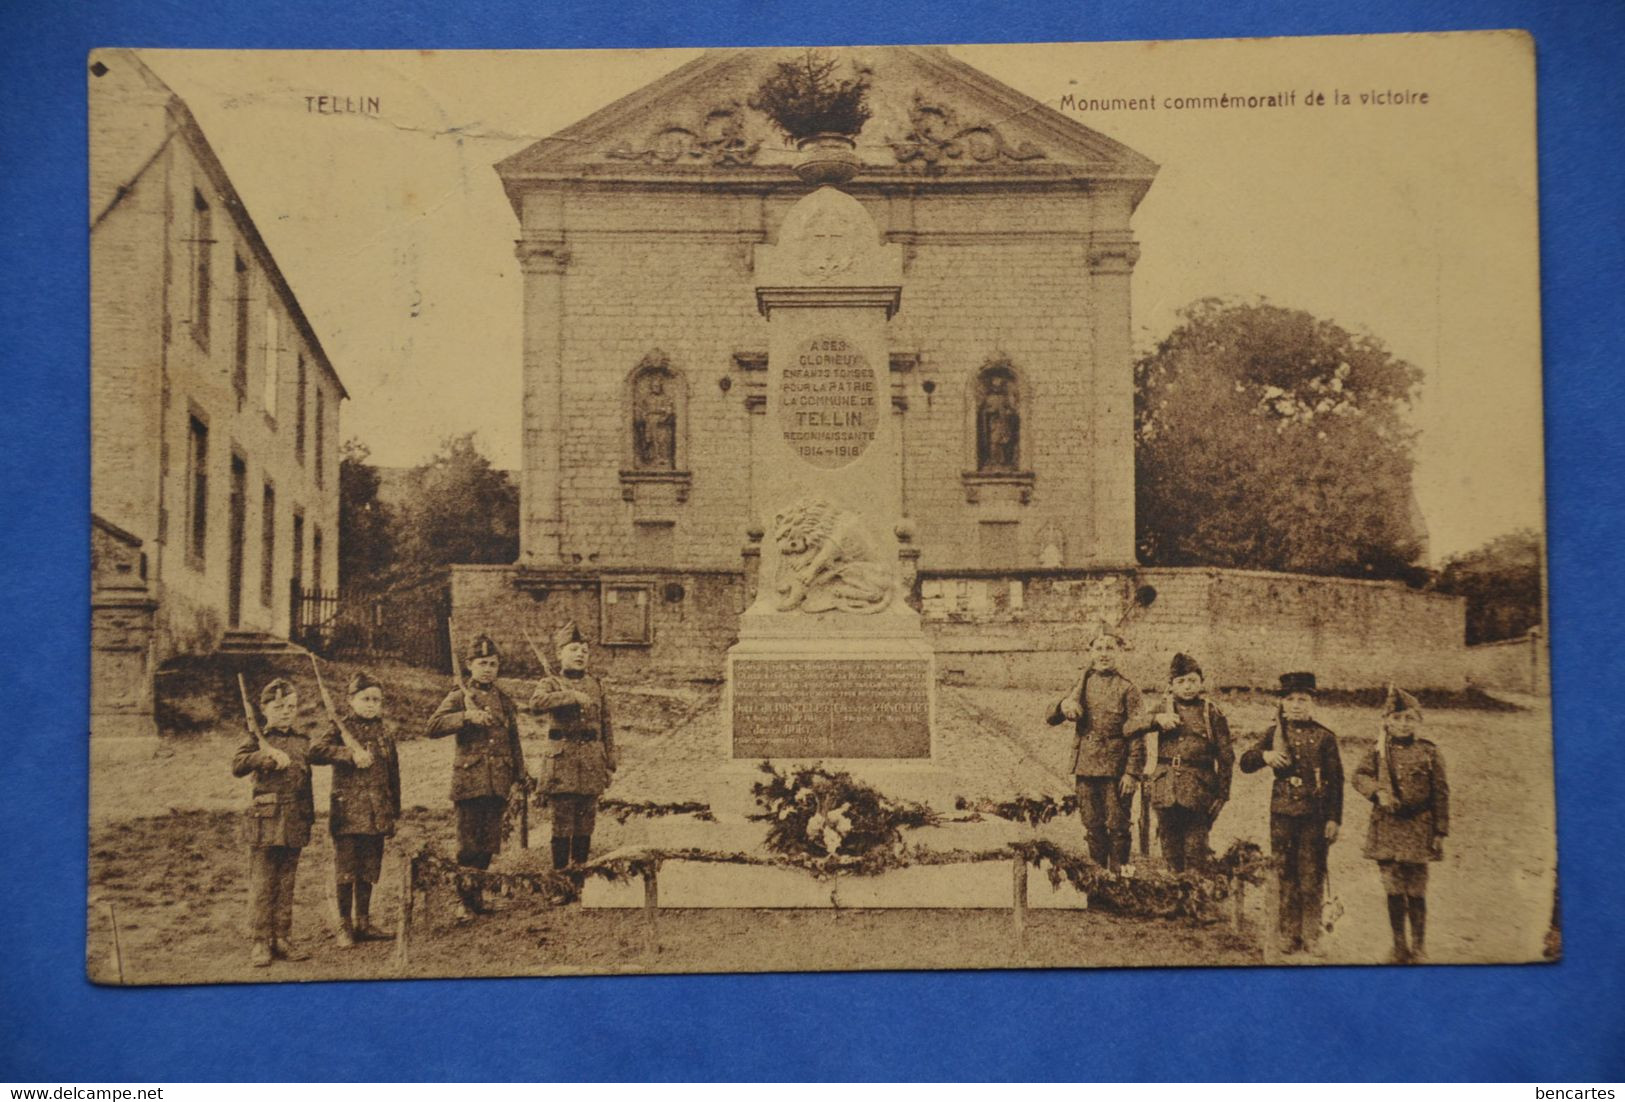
(243,642)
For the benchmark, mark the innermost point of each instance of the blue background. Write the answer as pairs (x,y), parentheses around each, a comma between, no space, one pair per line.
(1562,1023)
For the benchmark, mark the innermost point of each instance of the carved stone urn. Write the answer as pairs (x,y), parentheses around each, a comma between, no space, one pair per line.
(827,158)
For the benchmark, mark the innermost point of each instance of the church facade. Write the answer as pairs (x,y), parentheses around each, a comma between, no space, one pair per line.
(645,354)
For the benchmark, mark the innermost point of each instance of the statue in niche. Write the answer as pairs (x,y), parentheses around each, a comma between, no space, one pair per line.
(826,562)
(998,422)
(654,421)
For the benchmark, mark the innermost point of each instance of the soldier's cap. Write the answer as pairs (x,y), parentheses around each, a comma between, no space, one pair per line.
(566,635)
(1104,630)
(276,690)
(362,681)
(1182,665)
(1400,702)
(481,647)
(1299,682)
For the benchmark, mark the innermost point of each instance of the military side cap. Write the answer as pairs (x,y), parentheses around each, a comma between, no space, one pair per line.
(481,647)
(363,681)
(567,634)
(276,690)
(1399,702)
(1300,682)
(1182,665)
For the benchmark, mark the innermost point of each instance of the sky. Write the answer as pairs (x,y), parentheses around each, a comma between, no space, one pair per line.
(1413,222)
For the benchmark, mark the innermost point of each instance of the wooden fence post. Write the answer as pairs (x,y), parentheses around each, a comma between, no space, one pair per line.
(403,918)
(1238,890)
(651,908)
(118,946)
(1018,900)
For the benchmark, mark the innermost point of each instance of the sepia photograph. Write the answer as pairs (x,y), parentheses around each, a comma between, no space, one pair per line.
(817,508)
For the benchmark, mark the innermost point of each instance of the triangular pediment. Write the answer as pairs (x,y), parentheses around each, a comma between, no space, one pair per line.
(933,118)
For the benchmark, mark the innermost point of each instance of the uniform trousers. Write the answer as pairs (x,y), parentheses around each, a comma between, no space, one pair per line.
(1408,878)
(573,813)
(1299,845)
(1104,811)
(1184,834)
(357,857)
(271,874)
(479,830)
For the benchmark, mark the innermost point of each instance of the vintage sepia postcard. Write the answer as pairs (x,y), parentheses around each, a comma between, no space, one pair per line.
(822,508)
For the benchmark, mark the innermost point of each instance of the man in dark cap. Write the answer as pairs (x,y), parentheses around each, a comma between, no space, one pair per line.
(366,803)
(277,826)
(1306,807)
(1403,777)
(581,754)
(488,764)
(1191,782)
(1108,750)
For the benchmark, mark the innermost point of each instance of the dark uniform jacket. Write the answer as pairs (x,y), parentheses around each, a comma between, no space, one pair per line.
(1311,784)
(489,758)
(283,806)
(580,738)
(1194,760)
(1406,832)
(1107,736)
(365,801)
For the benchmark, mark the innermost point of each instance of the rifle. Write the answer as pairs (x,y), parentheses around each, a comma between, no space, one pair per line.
(468,700)
(254,725)
(541,659)
(1385,765)
(1153,750)
(358,753)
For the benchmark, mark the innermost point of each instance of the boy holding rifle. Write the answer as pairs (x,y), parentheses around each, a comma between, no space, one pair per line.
(1108,753)
(1194,764)
(581,752)
(1306,807)
(277,826)
(489,762)
(365,806)
(1403,777)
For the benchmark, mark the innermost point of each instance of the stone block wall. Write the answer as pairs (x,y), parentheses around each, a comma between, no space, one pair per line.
(1521,665)
(1026,629)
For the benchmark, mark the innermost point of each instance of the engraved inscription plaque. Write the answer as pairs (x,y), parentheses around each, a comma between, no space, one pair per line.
(828,405)
(831,708)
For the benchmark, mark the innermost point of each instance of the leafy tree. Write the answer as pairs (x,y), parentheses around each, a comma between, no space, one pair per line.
(458,509)
(1270,439)
(804,98)
(366,529)
(1502,584)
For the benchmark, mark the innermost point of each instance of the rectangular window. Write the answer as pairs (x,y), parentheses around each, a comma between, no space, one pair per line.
(197,477)
(202,247)
(624,614)
(268,546)
(300,411)
(273,361)
(321,436)
(239,363)
(316,559)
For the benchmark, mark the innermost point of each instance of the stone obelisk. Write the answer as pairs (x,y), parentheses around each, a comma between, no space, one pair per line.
(831,663)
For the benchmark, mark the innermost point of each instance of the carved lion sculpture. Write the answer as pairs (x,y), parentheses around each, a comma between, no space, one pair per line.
(826,561)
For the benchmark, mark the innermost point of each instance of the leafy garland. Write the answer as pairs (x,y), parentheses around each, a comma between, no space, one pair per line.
(1195,895)
(622,810)
(1032,810)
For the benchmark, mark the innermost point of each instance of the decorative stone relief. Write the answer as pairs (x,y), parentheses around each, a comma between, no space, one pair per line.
(717,139)
(938,135)
(827,562)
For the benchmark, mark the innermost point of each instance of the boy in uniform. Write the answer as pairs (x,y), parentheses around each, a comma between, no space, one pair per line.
(580,746)
(1194,764)
(1410,817)
(278,822)
(365,805)
(1108,753)
(1306,807)
(489,762)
